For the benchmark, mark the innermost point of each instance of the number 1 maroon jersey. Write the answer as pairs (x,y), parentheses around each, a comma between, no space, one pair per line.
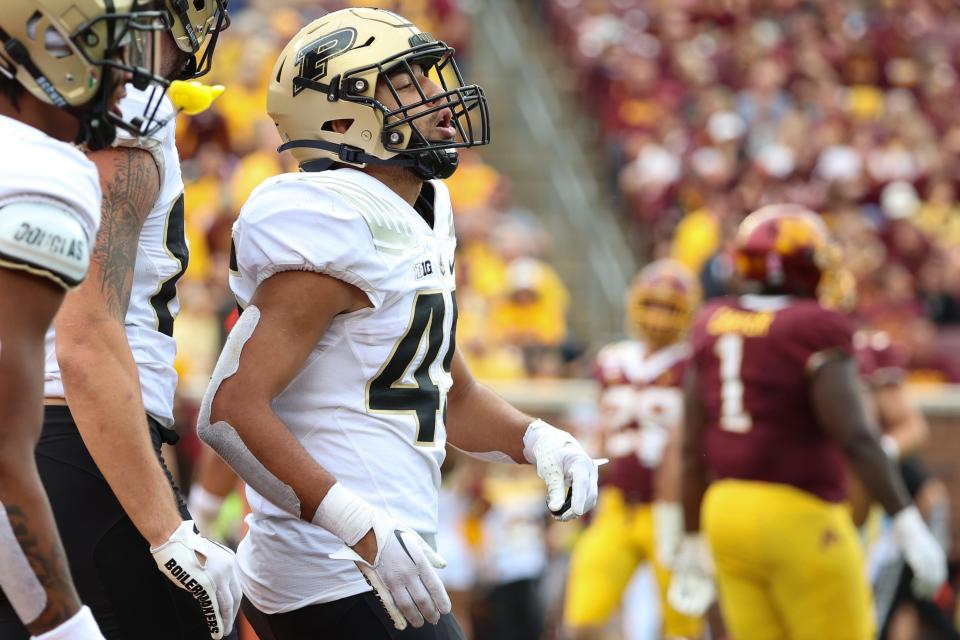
(753,357)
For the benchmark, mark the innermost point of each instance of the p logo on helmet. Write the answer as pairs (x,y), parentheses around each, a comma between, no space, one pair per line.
(365,86)
(313,58)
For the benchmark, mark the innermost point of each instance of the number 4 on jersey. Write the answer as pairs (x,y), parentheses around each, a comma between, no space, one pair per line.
(387,391)
(175,244)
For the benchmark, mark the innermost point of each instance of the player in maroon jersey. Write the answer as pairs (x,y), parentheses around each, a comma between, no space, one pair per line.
(774,416)
(638,517)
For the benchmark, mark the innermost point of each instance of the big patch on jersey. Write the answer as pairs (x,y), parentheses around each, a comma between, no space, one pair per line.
(44,238)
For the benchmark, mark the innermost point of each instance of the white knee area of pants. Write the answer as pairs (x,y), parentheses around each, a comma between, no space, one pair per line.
(17,579)
(81,626)
(224,439)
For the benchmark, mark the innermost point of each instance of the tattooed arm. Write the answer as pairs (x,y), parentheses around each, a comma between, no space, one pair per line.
(27,306)
(100,378)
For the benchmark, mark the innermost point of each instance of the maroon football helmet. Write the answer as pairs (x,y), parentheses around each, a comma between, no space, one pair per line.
(784,249)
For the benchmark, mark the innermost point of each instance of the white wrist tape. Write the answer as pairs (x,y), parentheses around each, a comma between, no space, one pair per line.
(344,515)
(489,456)
(890,446)
(908,524)
(204,507)
(203,502)
(81,626)
(668,530)
(17,579)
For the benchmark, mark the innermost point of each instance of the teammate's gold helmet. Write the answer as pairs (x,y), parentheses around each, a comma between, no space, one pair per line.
(329,71)
(661,302)
(73,54)
(194,22)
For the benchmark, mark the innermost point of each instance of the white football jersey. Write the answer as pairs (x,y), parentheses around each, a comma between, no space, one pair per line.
(162,255)
(35,166)
(369,403)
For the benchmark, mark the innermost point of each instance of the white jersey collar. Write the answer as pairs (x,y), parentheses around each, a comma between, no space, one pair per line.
(651,365)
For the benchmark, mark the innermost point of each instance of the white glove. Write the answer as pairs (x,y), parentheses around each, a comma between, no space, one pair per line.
(205,509)
(668,530)
(81,626)
(692,590)
(205,569)
(403,572)
(561,463)
(922,552)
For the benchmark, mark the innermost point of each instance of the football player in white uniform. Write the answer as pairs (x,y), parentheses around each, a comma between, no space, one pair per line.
(340,384)
(137,560)
(63,65)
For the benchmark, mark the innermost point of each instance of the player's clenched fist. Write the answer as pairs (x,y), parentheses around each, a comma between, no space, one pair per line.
(205,569)
(692,589)
(562,463)
(403,575)
(402,568)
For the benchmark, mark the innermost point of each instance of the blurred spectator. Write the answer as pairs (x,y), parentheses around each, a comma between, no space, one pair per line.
(712,109)
(514,554)
(926,362)
(531,311)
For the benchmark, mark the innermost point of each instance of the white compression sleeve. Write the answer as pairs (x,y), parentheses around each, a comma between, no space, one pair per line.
(224,439)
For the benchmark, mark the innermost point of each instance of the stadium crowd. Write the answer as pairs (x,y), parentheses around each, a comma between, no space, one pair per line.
(711,109)
(708,110)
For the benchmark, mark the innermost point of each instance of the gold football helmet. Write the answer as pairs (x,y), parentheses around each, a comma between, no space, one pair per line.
(329,71)
(74,54)
(194,21)
(661,302)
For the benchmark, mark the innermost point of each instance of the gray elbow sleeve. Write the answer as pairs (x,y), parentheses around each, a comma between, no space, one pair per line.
(224,439)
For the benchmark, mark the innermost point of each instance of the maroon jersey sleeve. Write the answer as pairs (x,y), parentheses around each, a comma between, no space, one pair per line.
(754,368)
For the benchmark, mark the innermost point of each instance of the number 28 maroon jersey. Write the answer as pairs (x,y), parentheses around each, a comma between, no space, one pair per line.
(642,398)
(753,357)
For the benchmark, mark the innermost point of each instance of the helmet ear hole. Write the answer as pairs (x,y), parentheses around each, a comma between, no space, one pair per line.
(340,126)
(32,25)
(56,45)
